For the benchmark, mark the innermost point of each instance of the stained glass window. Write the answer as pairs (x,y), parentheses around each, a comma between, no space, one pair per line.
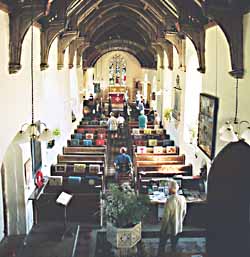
(117,70)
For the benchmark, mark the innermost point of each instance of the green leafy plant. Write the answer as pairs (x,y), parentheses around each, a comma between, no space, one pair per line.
(56,132)
(168,114)
(124,208)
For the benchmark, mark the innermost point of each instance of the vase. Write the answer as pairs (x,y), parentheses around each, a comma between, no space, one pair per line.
(123,237)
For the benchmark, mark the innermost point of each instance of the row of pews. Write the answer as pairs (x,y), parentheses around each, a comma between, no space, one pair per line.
(155,155)
(156,159)
(80,171)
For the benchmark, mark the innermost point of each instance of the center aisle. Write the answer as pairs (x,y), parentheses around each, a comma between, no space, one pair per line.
(113,147)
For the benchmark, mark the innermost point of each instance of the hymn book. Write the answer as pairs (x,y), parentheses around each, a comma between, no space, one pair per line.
(64,199)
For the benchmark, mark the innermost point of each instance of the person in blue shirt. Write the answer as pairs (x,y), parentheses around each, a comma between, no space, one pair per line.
(143,120)
(123,162)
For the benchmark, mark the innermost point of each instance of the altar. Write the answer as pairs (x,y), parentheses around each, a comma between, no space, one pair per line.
(117,95)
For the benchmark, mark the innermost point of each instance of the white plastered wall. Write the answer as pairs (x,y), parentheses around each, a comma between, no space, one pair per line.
(56,95)
(216,81)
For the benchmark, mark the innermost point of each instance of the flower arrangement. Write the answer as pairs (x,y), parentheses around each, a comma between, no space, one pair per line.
(56,132)
(168,114)
(124,208)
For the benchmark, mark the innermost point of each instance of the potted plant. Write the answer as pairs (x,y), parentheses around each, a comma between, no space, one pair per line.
(124,211)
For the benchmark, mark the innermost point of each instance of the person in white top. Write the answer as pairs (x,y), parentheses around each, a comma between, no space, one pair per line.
(157,120)
(120,120)
(173,217)
(112,126)
(138,98)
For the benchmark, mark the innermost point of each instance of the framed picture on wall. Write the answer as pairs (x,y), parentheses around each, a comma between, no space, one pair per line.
(177,100)
(28,171)
(208,115)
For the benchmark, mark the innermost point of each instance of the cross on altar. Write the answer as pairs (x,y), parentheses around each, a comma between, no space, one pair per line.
(117,99)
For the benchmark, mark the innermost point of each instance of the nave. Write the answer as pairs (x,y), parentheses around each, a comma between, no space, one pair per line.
(86,170)
(121,119)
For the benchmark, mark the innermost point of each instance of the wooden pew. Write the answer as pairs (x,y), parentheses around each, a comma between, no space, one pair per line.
(91,131)
(150,136)
(161,170)
(168,142)
(150,126)
(150,163)
(154,158)
(93,122)
(84,130)
(67,159)
(92,126)
(150,151)
(84,206)
(135,124)
(68,170)
(159,131)
(80,144)
(84,150)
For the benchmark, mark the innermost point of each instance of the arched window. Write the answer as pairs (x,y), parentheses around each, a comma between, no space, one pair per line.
(117,70)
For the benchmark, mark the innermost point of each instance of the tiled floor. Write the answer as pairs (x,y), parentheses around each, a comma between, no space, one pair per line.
(45,241)
(187,246)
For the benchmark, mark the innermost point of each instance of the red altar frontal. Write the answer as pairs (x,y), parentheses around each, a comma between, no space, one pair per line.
(117,98)
(117,94)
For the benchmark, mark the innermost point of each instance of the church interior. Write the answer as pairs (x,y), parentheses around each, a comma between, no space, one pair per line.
(109,109)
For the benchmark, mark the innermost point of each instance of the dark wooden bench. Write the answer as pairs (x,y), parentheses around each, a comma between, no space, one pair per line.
(159,131)
(96,159)
(67,170)
(150,151)
(163,170)
(154,158)
(150,136)
(71,143)
(84,208)
(84,130)
(150,126)
(93,122)
(95,127)
(96,150)
(166,142)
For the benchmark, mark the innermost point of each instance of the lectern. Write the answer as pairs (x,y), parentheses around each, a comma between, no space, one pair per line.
(64,200)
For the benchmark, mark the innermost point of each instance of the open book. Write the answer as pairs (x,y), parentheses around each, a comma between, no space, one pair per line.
(64,199)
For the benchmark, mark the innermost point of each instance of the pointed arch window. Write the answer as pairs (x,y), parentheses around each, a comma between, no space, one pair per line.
(117,70)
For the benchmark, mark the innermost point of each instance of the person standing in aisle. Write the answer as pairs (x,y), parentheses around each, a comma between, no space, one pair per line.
(137,98)
(172,221)
(157,120)
(142,120)
(140,107)
(123,162)
(112,126)
(121,122)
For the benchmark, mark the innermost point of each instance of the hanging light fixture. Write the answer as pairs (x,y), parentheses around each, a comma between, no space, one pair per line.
(32,130)
(231,130)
